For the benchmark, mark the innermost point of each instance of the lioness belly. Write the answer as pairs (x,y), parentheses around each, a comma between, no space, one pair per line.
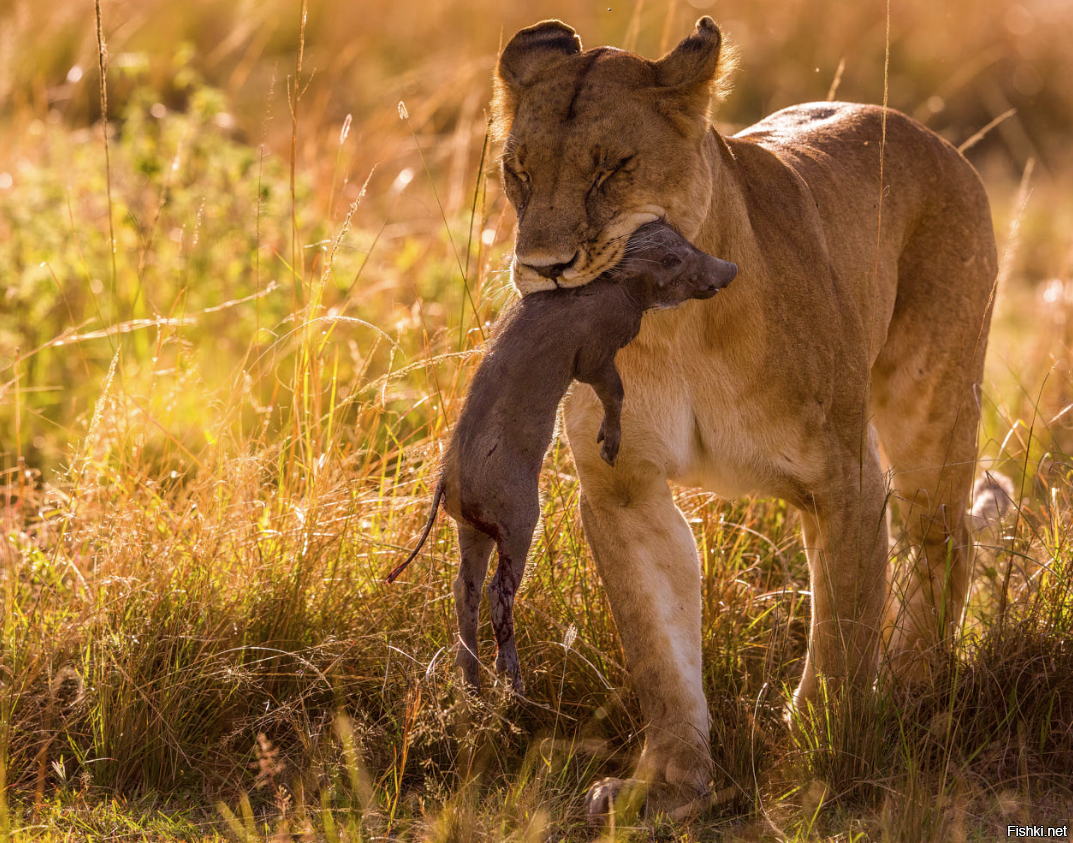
(696,429)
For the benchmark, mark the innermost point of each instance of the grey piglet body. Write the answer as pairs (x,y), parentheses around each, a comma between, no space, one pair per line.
(489,482)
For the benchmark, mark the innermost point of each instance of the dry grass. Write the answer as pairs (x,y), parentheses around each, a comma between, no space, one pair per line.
(217,437)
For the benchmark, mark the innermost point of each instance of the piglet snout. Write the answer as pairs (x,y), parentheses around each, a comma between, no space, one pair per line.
(716,274)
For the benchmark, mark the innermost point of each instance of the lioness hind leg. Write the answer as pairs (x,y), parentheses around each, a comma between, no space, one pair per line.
(926,384)
(932,476)
(474,549)
(929,595)
(845,531)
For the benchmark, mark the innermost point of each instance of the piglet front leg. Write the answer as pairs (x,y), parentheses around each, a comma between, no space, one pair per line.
(611,435)
(608,387)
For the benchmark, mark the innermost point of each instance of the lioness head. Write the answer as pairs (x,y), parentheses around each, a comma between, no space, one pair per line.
(598,143)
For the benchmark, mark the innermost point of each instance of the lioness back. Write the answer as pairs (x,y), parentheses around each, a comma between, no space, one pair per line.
(838,151)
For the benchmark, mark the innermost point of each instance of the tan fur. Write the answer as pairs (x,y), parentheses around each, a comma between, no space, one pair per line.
(839,337)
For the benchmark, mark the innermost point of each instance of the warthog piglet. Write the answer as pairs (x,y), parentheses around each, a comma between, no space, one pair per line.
(491,467)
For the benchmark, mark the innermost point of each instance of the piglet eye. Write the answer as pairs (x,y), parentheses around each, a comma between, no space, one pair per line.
(670,261)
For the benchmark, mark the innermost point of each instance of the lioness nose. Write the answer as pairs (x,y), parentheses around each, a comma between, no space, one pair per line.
(546,267)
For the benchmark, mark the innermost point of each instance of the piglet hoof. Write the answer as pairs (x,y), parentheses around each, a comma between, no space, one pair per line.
(518,684)
(611,441)
(470,670)
(507,664)
(609,451)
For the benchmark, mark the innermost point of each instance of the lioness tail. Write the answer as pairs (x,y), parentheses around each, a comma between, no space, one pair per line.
(992,498)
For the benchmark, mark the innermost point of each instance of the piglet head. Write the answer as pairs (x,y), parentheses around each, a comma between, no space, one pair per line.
(668,270)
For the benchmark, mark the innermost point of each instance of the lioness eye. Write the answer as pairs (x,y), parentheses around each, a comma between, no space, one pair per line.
(609,170)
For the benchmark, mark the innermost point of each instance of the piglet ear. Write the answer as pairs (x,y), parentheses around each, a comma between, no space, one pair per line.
(687,77)
(528,53)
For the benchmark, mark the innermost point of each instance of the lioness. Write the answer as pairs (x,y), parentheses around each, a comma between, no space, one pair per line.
(859,317)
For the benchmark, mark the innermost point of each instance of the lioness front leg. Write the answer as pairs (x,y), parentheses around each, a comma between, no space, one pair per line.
(647,559)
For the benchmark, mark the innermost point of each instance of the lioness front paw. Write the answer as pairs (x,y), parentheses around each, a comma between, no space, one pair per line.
(631,799)
(914,660)
(603,800)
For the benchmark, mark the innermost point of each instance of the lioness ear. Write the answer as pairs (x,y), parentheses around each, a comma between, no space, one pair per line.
(691,72)
(526,54)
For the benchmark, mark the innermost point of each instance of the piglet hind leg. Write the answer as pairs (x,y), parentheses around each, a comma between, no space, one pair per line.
(475,548)
(513,551)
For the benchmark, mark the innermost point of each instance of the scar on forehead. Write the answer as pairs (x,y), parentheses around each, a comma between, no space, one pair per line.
(590,60)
